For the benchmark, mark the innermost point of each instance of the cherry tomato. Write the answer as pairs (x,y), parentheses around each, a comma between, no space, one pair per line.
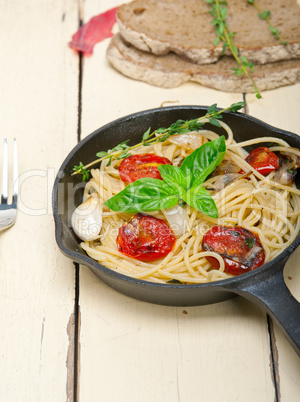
(145,238)
(136,167)
(240,248)
(263,160)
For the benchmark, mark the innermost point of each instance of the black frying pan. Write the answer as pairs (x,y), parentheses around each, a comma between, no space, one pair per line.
(264,286)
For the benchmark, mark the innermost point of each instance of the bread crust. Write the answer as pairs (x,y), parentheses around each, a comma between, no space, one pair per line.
(170,70)
(184,27)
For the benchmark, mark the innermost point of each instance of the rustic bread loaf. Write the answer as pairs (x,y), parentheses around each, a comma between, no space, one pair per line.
(184,27)
(170,70)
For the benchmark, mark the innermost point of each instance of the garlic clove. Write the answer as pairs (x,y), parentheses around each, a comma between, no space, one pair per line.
(178,219)
(86,220)
(190,141)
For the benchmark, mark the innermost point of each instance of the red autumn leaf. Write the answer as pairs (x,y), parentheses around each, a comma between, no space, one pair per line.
(96,30)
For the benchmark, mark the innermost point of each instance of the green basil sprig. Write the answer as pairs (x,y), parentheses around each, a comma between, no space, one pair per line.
(179,183)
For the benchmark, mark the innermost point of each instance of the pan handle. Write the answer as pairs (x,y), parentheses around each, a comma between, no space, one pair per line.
(270,292)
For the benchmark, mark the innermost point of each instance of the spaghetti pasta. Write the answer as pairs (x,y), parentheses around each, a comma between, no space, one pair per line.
(257,203)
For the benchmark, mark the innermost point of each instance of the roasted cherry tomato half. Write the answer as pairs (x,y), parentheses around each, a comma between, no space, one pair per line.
(136,167)
(240,248)
(145,238)
(263,160)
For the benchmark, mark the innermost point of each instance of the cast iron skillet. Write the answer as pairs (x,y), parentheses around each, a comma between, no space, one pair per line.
(264,286)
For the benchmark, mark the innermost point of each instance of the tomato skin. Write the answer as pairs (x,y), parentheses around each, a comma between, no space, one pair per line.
(138,166)
(241,249)
(145,238)
(263,160)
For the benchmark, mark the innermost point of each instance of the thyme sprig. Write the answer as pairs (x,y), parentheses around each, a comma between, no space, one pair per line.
(219,12)
(122,150)
(265,15)
(82,170)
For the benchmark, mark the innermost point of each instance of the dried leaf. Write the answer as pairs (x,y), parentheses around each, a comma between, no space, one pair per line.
(94,31)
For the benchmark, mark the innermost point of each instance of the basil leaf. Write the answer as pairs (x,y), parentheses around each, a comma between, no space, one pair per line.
(200,199)
(174,176)
(145,194)
(178,184)
(197,166)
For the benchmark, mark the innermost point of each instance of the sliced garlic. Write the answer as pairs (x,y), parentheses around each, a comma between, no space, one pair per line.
(190,141)
(178,219)
(87,219)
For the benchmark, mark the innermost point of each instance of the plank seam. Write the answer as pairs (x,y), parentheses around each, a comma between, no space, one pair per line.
(274,359)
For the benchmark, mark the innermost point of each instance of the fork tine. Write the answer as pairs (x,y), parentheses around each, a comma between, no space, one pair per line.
(8,212)
(15,173)
(4,174)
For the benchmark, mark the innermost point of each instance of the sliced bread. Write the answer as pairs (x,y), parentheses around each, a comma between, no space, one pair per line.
(184,27)
(170,70)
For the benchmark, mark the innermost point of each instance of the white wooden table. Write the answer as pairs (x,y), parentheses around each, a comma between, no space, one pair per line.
(65,335)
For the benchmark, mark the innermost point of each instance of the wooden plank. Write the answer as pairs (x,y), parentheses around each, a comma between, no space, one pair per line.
(280,108)
(108,95)
(132,350)
(168,353)
(38,105)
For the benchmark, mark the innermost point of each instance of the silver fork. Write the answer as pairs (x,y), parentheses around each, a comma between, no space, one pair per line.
(8,212)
